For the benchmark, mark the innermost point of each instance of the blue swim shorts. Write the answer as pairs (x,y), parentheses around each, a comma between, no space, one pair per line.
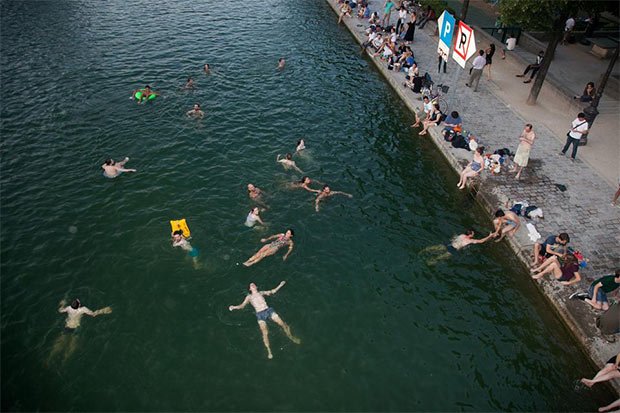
(265,314)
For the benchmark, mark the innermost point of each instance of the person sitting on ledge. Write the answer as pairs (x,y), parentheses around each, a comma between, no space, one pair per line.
(534,67)
(566,274)
(588,93)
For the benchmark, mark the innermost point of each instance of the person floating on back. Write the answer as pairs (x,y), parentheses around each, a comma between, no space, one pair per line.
(281,240)
(264,313)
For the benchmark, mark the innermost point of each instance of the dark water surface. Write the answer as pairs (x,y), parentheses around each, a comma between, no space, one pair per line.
(381,329)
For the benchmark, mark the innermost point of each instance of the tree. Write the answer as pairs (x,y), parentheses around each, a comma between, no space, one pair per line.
(548,16)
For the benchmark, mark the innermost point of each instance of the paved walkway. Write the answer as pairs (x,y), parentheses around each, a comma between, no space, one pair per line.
(583,210)
(572,67)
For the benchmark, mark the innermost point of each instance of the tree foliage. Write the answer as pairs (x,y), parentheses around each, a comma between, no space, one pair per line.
(540,15)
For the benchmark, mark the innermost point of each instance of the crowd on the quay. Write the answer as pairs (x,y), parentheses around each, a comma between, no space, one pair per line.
(393,44)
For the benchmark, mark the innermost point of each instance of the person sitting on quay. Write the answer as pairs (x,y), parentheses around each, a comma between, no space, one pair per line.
(588,93)
(566,274)
(534,67)
(554,245)
(425,113)
(413,72)
(453,123)
(434,120)
(473,168)
(345,10)
(597,293)
(429,14)
(610,371)
(506,223)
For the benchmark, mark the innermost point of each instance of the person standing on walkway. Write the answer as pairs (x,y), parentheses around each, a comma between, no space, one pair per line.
(573,137)
(410,28)
(568,30)
(387,12)
(534,67)
(476,70)
(264,313)
(402,19)
(489,57)
(526,140)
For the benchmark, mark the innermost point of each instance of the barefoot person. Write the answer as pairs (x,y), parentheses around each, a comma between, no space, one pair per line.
(522,156)
(441,252)
(264,313)
(566,274)
(473,168)
(281,240)
(113,169)
(288,162)
(75,311)
(179,240)
(506,223)
(609,372)
(326,193)
(305,184)
(196,112)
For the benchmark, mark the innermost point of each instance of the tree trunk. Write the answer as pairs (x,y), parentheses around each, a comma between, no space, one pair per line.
(556,36)
(464,10)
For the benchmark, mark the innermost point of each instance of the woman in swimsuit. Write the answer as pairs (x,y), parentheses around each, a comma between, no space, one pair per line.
(281,240)
(301,145)
(253,217)
(304,183)
(473,169)
(567,274)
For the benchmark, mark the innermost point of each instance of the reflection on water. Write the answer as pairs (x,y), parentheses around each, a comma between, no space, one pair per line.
(381,329)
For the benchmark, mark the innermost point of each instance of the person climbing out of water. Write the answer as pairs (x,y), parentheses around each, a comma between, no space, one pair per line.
(301,145)
(506,223)
(195,112)
(305,184)
(326,192)
(458,242)
(179,240)
(253,217)
(288,162)
(281,240)
(113,169)
(75,311)
(264,312)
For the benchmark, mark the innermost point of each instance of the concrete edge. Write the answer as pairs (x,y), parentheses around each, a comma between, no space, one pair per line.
(490,202)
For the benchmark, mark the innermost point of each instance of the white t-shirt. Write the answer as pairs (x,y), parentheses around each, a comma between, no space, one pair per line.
(479,62)
(570,23)
(581,126)
(402,14)
(428,107)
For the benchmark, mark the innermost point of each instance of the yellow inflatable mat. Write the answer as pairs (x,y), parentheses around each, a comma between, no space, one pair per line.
(181,224)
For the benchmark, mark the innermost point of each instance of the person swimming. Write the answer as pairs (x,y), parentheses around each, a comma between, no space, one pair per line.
(305,184)
(143,95)
(189,84)
(113,169)
(301,145)
(442,252)
(207,69)
(281,63)
(281,240)
(195,112)
(325,193)
(253,217)
(256,195)
(288,162)
(67,340)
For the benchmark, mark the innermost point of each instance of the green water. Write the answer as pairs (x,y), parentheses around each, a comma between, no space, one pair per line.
(381,329)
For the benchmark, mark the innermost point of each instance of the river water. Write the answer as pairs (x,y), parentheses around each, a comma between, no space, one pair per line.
(382,328)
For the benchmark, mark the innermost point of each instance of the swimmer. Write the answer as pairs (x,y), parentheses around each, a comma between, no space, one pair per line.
(281,63)
(304,183)
(67,340)
(264,313)
(281,240)
(301,145)
(179,240)
(113,169)
(288,162)
(506,223)
(326,193)
(207,69)
(144,94)
(256,195)
(195,112)
(253,217)
(457,243)
(189,84)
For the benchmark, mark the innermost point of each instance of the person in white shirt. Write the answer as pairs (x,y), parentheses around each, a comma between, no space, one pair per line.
(568,29)
(402,18)
(574,135)
(479,62)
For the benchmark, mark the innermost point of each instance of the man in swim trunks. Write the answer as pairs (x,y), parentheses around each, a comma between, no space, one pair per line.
(304,183)
(67,342)
(441,252)
(326,193)
(113,169)
(264,313)
(506,223)
(195,112)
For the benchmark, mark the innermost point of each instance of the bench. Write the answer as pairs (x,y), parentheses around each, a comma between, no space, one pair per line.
(603,47)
